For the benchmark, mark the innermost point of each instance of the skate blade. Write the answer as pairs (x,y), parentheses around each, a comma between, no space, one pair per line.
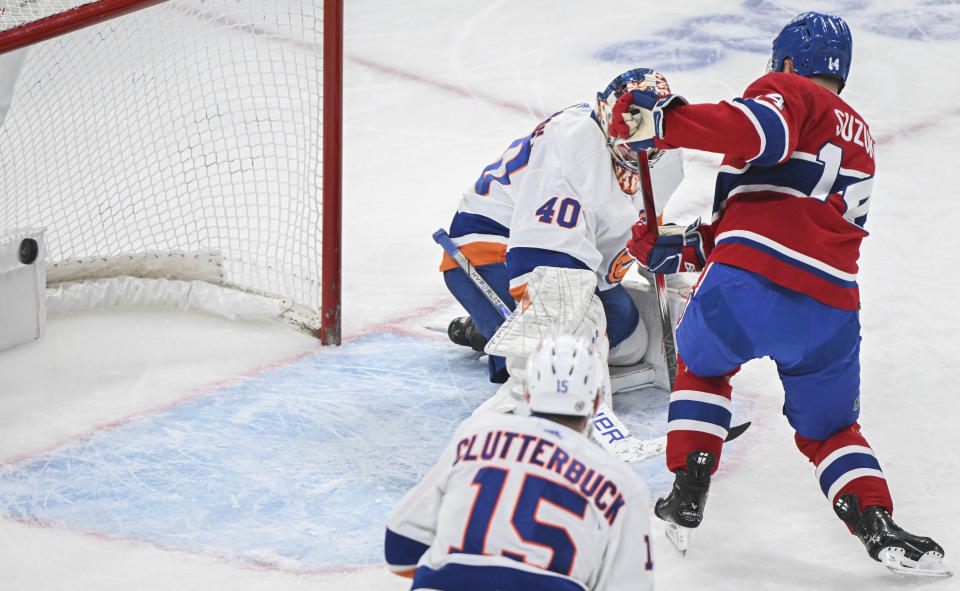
(678,535)
(929,565)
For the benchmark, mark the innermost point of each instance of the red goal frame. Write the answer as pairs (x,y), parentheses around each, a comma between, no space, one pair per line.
(332,169)
(101,10)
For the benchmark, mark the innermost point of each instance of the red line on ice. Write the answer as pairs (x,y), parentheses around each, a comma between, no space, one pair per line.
(452,88)
(394,325)
(248,564)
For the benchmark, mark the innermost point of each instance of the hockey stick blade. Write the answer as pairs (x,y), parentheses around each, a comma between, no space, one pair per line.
(614,436)
(632,449)
(737,431)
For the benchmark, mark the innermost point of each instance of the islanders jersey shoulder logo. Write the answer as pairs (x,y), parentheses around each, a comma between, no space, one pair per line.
(619,267)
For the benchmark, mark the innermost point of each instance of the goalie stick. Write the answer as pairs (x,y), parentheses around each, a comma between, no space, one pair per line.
(443,239)
(609,430)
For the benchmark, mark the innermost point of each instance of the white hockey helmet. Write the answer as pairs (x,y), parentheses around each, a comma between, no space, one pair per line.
(564,376)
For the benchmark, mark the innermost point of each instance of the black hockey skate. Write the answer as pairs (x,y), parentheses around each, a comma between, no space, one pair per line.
(463,331)
(887,543)
(682,509)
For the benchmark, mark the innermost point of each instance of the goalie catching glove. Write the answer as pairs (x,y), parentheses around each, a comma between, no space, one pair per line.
(674,249)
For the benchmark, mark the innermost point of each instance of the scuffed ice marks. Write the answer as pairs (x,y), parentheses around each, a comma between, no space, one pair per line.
(701,41)
(932,20)
(296,468)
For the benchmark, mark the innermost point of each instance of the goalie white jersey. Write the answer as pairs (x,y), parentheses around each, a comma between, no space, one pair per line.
(524,501)
(554,199)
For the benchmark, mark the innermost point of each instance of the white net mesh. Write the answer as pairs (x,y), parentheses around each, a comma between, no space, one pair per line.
(17,12)
(192,125)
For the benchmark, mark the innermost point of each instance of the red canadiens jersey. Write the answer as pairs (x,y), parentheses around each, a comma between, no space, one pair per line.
(793,191)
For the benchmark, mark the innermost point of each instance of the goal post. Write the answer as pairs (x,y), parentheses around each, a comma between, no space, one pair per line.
(332,167)
(180,142)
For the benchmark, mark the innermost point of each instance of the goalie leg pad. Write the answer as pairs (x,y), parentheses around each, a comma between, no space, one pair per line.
(626,378)
(645,299)
(557,300)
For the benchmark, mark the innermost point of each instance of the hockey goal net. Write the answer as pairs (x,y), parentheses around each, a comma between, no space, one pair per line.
(180,141)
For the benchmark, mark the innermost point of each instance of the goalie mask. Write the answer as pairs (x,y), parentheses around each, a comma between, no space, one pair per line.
(613,117)
(564,376)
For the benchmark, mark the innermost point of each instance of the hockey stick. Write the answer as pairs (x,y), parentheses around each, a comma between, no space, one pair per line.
(666,323)
(612,434)
(650,210)
(443,239)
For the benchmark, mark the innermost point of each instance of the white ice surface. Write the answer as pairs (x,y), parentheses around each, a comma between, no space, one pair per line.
(434,91)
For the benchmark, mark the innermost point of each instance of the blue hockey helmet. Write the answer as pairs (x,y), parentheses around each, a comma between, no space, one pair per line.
(818,44)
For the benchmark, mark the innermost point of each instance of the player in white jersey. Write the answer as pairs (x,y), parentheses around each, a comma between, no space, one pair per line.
(528,502)
(564,196)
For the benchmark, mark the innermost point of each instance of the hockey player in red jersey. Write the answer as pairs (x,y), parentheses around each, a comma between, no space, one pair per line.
(779,279)
(527,503)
